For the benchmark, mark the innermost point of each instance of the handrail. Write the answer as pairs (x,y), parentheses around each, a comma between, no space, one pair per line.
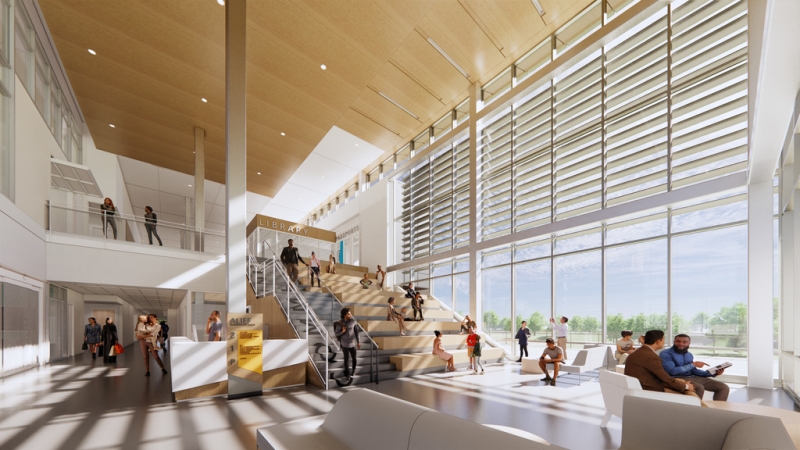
(140,219)
(375,347)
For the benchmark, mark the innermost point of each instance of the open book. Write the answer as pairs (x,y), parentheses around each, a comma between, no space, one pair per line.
(719,367)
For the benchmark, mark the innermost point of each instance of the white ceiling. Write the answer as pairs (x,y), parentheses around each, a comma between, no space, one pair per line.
(146,300)
(338,158)
(166,191)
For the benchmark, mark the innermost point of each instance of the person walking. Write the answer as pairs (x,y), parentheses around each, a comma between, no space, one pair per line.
(315,265)
(289,257)
(150,221)
(471,340)
(438,350)
(476,352)
(108,210)
(396,316)
(522,335)
(561,331)
(91,335)
(109,339)
(346,331)
(148,327)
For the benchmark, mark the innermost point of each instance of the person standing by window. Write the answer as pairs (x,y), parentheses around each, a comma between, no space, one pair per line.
(522,335)
(109,338)
(109,210)
(315,270)
(91,335)
(150,221)
(380,275)
(561,331)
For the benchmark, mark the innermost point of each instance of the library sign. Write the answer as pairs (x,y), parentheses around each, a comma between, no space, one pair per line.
(283,226)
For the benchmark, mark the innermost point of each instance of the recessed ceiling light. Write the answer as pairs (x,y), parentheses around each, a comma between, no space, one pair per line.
(221,2)
(204,100)
(112,125)
(356,145)
(258,173)
(323,67)
(190,185)
(283,134)
(92,52)
(538,7)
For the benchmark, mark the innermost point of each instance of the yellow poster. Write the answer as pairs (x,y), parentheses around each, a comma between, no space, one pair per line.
(250,342)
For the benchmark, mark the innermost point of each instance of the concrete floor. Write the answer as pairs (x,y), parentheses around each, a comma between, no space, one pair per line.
(83,404)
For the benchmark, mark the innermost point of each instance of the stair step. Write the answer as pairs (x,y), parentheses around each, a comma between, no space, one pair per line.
(449,341)
(416,361)
(387,326)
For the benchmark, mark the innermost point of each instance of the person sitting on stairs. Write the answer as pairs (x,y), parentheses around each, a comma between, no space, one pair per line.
(396,316)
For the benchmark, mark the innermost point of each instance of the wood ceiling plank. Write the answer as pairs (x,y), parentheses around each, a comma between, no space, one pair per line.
(456,33)
(384,112)
(513,24)
(418,57)
(393,82)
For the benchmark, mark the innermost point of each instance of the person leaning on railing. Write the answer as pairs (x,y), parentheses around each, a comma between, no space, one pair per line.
(109,210)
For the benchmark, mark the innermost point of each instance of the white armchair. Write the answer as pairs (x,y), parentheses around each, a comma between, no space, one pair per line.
(616,386)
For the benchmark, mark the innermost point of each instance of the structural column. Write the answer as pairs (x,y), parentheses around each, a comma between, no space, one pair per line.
(760,285)
(199,185)
(475,307)
(235,169)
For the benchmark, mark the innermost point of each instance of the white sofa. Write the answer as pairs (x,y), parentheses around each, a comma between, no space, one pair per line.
(615,387)
(366,420)
(656,425)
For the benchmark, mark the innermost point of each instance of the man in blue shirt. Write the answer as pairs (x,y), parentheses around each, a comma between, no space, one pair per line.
(679,363)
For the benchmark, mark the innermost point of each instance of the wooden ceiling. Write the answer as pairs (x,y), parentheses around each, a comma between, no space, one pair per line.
(156,60)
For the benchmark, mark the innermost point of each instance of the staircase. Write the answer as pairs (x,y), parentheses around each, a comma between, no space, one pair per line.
(384,354)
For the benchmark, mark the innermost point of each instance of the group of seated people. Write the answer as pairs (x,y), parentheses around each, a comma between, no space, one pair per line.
(671,370)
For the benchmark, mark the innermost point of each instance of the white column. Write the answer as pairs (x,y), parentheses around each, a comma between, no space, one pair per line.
(759,311)
(199,185)
(475,307)
(236,168)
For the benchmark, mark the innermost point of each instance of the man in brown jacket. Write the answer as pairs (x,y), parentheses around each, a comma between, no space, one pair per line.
(645,365)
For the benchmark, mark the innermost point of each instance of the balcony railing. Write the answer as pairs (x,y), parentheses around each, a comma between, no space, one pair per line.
(94,223)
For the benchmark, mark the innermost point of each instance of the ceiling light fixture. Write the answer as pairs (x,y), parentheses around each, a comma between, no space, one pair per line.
(190,185)
(323,67)
(92,52)
(258,173)
(538,7)
(112,125)
(448,58)
(283,134)
(399,105)
(204,100)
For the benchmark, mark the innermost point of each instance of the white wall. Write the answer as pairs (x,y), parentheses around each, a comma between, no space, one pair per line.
(80,260)
(372,209)
(76,300)
(33,147)
(22,241)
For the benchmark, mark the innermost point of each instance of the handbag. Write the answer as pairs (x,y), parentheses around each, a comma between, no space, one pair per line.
(119,349)
(85,346)
(112,351)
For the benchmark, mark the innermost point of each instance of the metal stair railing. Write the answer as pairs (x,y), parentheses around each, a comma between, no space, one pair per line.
(375,347)
(279,274)
(373,354)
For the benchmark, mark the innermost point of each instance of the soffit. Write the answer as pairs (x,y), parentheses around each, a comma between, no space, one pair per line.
(155,60)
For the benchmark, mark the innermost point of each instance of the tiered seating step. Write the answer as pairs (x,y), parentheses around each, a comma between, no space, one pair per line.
(387,326)
(421,361)
(363,311)
(420,342)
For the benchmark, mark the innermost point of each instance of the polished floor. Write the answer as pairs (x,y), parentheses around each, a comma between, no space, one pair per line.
(83,404)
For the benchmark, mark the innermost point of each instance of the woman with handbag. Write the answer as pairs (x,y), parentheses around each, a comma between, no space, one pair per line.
(109,336)
(91,336)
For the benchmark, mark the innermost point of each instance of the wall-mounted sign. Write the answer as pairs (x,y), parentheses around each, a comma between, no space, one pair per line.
(346,233)
(273,224)
(245,360)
